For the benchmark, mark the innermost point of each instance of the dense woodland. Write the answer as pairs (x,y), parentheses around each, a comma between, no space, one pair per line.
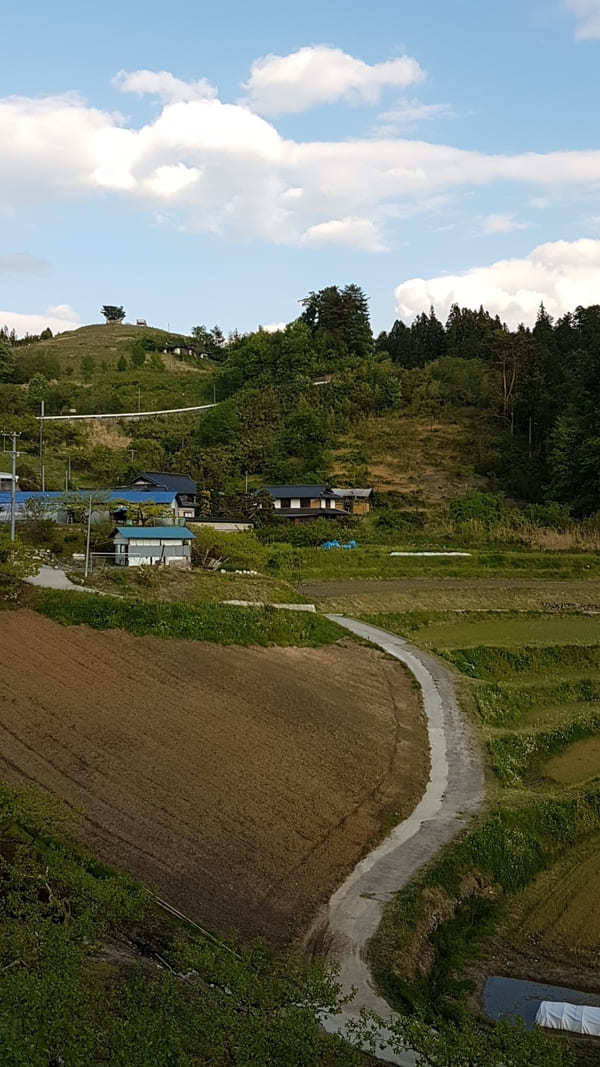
(537,392)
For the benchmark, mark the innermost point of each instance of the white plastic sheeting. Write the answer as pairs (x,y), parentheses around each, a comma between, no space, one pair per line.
(576,1018)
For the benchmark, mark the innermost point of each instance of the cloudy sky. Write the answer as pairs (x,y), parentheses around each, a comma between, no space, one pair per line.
(213,163)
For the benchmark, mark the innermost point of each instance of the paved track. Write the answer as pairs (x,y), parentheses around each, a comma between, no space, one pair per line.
(454,793)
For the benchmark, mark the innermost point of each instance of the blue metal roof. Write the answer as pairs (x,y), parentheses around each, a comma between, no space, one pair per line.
(98,496)
(163,533)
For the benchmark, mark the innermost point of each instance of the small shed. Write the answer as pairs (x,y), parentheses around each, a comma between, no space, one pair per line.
(138,546)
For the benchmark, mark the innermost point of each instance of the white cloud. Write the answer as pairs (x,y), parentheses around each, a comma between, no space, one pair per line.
(587,15)
(58,318)
(164,85)
(351,231)
(409,112)
(273,327)
(507,223)
(22,263)
(562,274)
(319,74)
(209,166)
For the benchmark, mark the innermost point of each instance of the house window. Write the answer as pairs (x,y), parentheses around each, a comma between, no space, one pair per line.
(286,502)
(304,501)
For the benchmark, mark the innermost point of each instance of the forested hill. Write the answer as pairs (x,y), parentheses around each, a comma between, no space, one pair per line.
(519,408)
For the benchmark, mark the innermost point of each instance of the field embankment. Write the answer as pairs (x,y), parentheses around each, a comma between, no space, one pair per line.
(242,783)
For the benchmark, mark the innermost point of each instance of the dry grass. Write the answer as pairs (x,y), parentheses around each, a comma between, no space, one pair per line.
(414,455)
(577,765)
(368,597)
(559,911)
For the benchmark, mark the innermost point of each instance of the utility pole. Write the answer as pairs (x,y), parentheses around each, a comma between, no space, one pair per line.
(13,483)
(42,472)
(87,540)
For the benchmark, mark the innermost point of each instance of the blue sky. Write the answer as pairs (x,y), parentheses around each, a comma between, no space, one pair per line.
(428,151)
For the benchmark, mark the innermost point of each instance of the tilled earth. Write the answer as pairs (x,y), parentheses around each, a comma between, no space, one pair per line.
(241,784)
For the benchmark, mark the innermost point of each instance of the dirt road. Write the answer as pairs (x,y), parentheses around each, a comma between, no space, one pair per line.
(453,794)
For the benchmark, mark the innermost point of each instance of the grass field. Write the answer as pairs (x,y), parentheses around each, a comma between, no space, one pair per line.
(242,783)
(534,679)
(199,622)
(426,594)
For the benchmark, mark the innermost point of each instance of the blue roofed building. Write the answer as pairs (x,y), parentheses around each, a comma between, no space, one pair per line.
(138,546)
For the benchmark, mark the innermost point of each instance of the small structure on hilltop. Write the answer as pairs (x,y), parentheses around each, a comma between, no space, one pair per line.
(180,349)
(138,546)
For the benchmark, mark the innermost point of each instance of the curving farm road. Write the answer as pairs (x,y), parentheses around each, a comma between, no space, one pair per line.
(454,793)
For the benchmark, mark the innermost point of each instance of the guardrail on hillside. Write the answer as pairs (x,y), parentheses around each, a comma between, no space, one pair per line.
(125,414)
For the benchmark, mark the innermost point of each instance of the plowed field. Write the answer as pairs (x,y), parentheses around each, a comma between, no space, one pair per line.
(240,783)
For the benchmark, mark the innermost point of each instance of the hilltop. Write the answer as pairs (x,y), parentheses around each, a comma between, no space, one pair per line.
(101,342)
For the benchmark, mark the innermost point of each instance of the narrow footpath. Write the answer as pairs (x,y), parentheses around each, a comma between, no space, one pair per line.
(453,795)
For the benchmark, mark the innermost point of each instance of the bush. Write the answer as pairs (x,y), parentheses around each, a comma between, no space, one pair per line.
(487,508)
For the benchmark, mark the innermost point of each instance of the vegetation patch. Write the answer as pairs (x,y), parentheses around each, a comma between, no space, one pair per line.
(508,705)
(197,622)
(433,928)
(486,662)
(91,972)
(515,756)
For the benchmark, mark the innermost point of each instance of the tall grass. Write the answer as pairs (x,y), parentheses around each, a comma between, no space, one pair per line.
(514,756)
(500,705)
(490,662)
(197,622)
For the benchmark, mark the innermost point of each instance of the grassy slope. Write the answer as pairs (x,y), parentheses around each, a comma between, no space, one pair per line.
(429,461)
(101,342)
(197,622)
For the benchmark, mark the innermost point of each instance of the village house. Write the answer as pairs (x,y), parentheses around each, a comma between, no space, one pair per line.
(182,487)
(300,502)
(138,546)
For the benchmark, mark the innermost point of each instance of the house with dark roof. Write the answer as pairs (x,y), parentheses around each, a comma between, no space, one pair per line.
(182,486)
(139,546)
(300,502)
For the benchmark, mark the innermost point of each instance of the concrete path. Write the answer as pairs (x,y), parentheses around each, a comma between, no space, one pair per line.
(54,578)
(454,793)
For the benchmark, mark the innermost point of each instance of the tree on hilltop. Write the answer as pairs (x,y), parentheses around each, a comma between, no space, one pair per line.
(112,313)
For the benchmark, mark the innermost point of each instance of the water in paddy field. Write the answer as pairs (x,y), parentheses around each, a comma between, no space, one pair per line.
(511,998)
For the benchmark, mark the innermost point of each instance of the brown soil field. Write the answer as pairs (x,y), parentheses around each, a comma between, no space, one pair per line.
(241,784)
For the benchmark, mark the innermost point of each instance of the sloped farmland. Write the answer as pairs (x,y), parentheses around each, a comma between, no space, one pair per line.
(240,783)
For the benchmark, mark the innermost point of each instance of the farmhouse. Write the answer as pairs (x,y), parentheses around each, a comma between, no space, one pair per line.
(180,486)
(138,546)
(299,502)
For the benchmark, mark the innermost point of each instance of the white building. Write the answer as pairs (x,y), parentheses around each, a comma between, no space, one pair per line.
(6,481)
(138,546)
